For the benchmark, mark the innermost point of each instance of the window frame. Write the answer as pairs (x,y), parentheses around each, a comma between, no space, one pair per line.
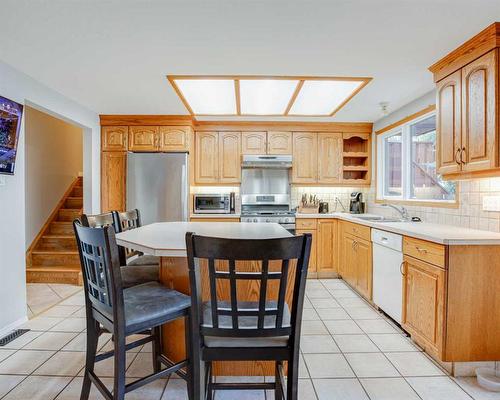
(405,129)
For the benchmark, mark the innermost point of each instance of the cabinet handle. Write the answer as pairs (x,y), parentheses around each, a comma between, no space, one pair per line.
(421,250)
(462,152)
(401,268)
(456,156)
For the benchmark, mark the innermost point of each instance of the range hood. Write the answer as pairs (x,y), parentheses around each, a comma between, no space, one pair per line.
(266,161)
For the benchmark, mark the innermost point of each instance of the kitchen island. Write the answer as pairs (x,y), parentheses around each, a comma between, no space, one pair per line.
(167,240)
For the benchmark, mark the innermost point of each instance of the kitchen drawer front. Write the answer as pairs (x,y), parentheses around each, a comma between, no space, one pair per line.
(432,253)
(305,223)
(360,231)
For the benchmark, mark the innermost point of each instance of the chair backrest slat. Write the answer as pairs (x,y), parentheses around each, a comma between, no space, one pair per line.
(264,317)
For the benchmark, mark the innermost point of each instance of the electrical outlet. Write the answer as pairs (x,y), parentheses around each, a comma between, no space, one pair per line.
(491,203)
(2,180)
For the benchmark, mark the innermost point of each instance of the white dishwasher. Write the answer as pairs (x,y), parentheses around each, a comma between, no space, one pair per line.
(387,278)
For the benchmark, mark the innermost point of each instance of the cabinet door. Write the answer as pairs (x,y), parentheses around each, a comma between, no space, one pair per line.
(330,157)
(347,266)
(143,138)
(305,157)
(423,303)
(449,129)
(253,143)
(174,138)
(479,128)
(113,178)
(279,142)
(363,267)
(207,157)
(314,245)
(230,157)
(327,249)
(114,138)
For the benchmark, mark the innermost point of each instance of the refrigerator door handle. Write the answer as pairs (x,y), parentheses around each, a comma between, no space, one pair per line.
(185,193)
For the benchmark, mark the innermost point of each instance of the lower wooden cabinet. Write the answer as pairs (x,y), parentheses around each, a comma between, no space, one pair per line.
(424,304)
(314,246)
(113,180)
(326,248)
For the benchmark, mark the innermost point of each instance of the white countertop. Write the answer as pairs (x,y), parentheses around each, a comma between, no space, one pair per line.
(214,216)
(168,238)
(437,233)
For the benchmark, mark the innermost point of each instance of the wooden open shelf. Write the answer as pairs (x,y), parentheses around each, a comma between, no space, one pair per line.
(356,158)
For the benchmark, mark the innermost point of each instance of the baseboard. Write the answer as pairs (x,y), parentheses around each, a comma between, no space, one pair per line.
(16,324)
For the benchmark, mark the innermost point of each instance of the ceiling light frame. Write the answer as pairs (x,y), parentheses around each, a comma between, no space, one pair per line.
(236,78)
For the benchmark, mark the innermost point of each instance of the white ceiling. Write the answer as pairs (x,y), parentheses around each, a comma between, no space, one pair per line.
(112,55)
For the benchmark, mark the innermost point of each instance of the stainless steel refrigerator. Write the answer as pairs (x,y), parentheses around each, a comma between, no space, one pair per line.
(157,184)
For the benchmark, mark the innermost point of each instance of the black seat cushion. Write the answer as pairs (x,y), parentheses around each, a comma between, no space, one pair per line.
(152,304)
(145,259)
(245,323)
(137,275)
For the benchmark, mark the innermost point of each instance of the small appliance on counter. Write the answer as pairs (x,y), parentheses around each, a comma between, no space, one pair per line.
(356,204)
(323,207)
(213,203)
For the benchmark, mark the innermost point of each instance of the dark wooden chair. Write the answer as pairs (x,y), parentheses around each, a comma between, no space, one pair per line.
(262,330)
(123,312)
(132,274)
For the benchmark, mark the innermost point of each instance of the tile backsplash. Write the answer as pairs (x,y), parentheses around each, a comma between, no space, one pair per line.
(469,214)
(327,194)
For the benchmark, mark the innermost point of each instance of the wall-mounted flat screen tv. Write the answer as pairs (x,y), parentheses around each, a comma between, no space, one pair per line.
(10,125)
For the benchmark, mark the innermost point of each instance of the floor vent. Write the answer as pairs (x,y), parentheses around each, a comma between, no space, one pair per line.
(11,336)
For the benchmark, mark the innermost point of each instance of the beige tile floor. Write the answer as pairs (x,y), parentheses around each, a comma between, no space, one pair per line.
(348,352)
(42,296)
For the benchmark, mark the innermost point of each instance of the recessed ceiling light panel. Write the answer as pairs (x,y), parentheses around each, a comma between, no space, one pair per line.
(266,96)
(209,96)
(324,97)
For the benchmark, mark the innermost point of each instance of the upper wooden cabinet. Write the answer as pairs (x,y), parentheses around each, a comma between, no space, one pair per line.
(317,158)
(254,143)
(143,138)
(114,138)
(217,157)
(467,108)
(174,138)
(272,142)
(305,157)
(279,142)
(230,157)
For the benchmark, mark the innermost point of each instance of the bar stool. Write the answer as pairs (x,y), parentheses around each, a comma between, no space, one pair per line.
(131,274)
(267,329)
(123,312)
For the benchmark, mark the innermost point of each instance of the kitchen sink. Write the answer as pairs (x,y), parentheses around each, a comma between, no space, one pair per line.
(378,218)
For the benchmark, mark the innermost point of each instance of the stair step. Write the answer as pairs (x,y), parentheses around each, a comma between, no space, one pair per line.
(69,274)
(53,257)
(61,228)
(68,214)
(73,202)
(77,191)
(57,243)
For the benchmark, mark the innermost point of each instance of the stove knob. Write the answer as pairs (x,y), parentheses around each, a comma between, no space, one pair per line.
(255,220)
(268,220)
(286,220)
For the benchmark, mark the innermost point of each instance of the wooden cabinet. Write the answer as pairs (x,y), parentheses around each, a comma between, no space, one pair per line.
(113,180)
(207,157)
(424,304)
(174,139)
(279,142)
(330,158)
(312,269)
(114,138)
(363,259)
(253,142)
(448,124)
(327,248)
(230,157)
(346,267)
(143,138)
(479,108)
(217,157)
(305,157)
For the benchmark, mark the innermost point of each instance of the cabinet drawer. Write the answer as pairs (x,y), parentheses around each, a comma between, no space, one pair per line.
(432,253)
(305,223)
(357,230)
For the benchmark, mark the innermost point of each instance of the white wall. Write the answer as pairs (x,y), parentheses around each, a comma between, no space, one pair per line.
(54,158)
(25,90)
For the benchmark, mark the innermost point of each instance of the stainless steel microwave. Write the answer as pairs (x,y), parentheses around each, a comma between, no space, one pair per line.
(212,204)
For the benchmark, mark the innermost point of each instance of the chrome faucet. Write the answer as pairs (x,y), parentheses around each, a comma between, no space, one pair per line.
(402,211)
(337,200)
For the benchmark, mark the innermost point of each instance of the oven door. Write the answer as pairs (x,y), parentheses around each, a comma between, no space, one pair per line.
(211,204)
